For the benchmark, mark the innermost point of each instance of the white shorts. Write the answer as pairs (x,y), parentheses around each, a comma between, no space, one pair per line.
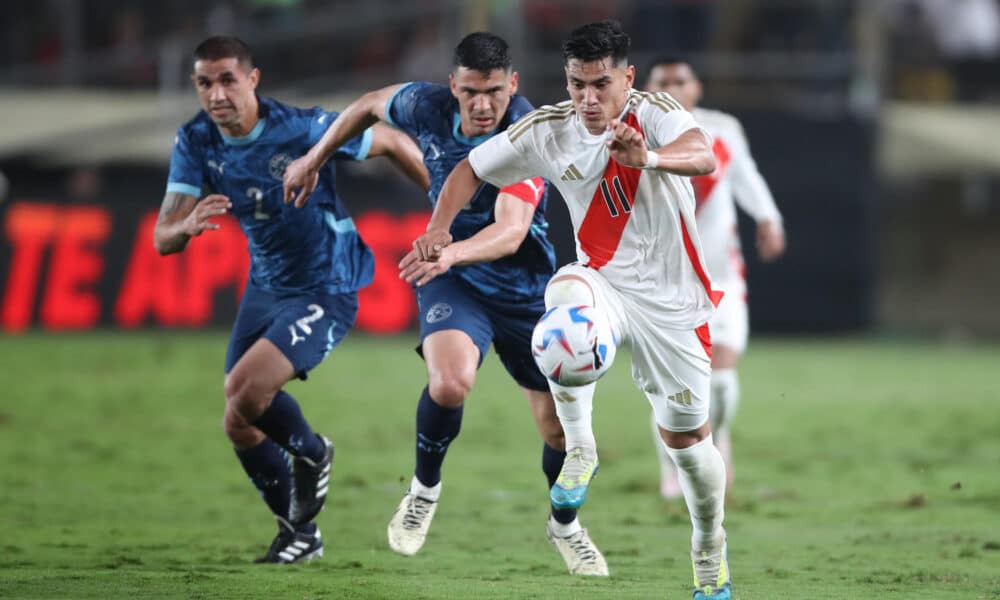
(672,367)
(731,322)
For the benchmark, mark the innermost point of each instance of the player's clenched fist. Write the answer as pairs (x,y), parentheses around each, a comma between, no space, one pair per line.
(429,246)
(302,175)
(627,145)
(210,206)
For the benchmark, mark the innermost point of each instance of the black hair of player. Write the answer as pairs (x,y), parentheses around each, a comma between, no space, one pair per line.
(223,46)
(595,41)
(483,52)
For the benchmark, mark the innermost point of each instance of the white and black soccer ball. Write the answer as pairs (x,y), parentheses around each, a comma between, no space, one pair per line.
(573,345)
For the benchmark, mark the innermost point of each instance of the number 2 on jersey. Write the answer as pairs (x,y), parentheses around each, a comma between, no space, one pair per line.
(258,207)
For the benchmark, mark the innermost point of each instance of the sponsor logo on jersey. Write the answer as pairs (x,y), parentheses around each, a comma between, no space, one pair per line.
(571,174)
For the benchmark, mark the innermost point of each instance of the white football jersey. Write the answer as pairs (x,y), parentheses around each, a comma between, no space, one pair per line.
(637,227)
(735,179)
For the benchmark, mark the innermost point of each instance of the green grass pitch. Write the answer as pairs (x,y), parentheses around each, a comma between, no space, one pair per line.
(864,470)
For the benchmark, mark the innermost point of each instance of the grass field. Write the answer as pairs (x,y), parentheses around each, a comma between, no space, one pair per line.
(865,470)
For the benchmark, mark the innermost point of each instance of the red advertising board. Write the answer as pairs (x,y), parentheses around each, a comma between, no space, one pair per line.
(79,266)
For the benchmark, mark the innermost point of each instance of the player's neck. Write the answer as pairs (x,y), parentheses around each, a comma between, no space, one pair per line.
(245,125)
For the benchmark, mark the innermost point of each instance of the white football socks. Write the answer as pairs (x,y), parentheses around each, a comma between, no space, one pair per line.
(431,493)
(702,477)
(574,407)
(725,399)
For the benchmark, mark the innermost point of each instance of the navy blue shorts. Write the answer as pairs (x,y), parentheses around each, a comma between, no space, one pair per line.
(449,303)
(304,327)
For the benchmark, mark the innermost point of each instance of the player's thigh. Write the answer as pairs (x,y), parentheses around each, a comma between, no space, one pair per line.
(305,328)
(514,323)
(455,330)
(252,320)
(673,369)
(258,375)
(730,328)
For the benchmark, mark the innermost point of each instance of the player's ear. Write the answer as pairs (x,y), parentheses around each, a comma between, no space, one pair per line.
(629,76)
(254,77)
(452,84)
(513,83)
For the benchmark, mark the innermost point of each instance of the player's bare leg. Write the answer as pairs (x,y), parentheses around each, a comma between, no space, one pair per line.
(702,476)
(264,423)
(451,358)
(563,527)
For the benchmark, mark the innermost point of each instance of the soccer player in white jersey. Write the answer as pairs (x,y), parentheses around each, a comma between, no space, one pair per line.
(735,179)
(621,159)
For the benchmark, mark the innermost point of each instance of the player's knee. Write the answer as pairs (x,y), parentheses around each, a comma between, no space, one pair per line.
(239,432)
(449,389)
(247,395)
(568,289)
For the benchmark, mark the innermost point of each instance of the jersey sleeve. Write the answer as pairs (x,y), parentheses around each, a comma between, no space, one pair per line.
(356,148)
(502,162)
(749,188)
(403,108)
(187,169)
(529,190)
(666,120)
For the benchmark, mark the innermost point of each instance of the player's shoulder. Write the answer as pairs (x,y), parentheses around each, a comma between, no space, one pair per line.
(426,93)
(279,112)
(197,132)
(716,118)
(655,102)
(543,119)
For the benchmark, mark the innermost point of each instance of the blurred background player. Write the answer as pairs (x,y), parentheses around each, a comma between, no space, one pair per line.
(306,268)
(621,159)
(735,178)
(486,288)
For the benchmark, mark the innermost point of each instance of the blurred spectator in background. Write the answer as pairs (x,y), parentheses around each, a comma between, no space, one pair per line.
(426,56)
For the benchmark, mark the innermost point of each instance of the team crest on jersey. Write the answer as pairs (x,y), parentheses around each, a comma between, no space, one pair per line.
(439,312)
(279,162)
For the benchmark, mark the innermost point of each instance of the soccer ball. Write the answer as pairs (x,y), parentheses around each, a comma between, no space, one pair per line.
(573,345)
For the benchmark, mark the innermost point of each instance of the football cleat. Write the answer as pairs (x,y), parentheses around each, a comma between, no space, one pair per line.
(711,575)
(570,488)
(408,527)
(292,546)
(310,482)
(580,553)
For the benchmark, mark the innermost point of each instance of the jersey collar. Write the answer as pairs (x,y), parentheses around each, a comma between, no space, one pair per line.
(248,138)
(456,132)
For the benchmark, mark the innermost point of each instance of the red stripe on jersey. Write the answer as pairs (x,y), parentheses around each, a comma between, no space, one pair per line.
(610,209)
(704,184)
(529,190)
(714,295)
(705,337)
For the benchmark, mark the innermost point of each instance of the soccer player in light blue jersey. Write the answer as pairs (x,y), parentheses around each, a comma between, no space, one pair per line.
(306,267)
(487,288)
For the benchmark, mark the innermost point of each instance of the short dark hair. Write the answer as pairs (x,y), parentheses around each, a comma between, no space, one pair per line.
(595,41)
(483,52)
(224,46)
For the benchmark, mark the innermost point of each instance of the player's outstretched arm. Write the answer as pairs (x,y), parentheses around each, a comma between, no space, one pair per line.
(301,175)
(513,215)
(403,151)
(458,188)
(182,217)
